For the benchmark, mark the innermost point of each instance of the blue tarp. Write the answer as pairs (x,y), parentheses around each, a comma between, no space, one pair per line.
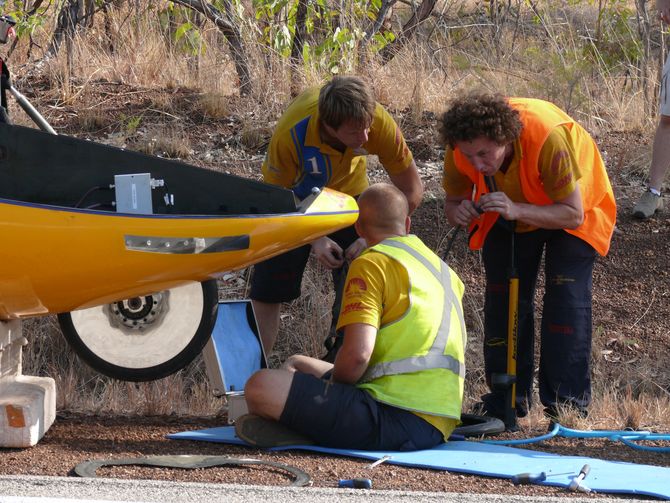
(492,460)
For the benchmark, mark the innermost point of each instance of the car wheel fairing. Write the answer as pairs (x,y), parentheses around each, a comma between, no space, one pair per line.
(144,338)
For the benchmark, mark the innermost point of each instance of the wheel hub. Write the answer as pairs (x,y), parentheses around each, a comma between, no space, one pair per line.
(138,313)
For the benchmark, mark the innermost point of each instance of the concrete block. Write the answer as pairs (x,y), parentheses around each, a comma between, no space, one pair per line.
(27,403)
(27,409)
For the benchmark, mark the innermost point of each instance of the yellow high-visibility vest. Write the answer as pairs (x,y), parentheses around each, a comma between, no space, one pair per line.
(418,362)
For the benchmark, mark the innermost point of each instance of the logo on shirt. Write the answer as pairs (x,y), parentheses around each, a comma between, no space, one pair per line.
(355,286)
(564,181)
(352,307)
(557,162)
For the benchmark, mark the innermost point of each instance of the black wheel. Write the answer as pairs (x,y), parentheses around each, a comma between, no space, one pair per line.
(478,426)
(144,338)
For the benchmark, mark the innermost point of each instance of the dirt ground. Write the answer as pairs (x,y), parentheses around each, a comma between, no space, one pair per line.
(631,314)
(74,439)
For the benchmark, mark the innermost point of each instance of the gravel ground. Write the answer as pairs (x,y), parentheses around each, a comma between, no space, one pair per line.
(77,438)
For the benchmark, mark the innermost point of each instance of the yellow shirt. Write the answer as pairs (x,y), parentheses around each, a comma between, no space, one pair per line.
(558,166)
(377,293)
(347,173)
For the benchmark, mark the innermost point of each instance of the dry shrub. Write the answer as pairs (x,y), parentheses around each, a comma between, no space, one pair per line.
(213,105)
(92,120)
(163,141)
(637,162)
(254,138)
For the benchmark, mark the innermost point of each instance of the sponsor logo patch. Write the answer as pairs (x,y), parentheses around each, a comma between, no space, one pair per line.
(353,307)
(355,285)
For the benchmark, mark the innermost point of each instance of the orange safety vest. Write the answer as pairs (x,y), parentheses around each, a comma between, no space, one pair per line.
(539,118)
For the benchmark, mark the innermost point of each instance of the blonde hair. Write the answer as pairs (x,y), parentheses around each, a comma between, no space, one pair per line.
(346,98)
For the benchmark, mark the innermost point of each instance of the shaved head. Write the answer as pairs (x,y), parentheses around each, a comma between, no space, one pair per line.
(383,211)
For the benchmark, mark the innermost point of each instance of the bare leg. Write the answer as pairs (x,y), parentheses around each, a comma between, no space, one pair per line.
(660,158)
(266,392)
(307,365)
(267,317)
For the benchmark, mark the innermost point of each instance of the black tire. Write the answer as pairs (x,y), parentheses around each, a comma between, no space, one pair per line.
(478,426)
(144,338)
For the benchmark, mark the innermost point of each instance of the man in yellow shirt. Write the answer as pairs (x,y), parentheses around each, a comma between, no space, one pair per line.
(397,381)
(322,140)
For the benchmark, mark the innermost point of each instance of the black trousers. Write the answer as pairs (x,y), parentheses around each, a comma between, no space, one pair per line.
(566,327)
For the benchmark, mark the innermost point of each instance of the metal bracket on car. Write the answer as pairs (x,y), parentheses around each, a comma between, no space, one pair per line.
(88,468)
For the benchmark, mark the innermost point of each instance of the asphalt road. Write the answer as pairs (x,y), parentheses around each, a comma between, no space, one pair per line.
(33,489)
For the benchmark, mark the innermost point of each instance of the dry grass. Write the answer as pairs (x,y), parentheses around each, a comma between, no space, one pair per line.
(544,58)
(165,141)
(214,105)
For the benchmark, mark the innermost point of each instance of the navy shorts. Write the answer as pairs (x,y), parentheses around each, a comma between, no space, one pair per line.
(279,279)
(346,417)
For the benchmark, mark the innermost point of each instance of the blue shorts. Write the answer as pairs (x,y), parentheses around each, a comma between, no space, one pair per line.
(346,417)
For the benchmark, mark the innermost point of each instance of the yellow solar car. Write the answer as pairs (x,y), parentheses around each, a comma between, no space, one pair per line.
(125,247)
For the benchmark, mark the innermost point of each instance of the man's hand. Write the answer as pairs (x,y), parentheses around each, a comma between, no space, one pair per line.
(355,249)
(328,252)
(463,213)
(500,203)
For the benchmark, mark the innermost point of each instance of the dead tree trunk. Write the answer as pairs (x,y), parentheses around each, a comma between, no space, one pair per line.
(298,44)
(419,15)
(68,19)
(644,31)
(224,22)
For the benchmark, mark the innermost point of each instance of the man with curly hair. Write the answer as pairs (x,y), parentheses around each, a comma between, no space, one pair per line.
(526,179)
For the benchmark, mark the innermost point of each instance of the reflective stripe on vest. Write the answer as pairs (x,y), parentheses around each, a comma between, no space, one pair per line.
(435,358)
(316,167)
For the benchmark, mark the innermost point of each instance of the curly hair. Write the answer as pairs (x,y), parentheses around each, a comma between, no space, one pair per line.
(346,98)
(478,115)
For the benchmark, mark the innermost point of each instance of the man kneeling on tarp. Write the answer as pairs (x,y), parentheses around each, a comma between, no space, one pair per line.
(397,381)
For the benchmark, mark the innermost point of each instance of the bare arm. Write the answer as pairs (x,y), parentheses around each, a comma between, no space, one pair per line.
(354,355)
(409,182)
(567,213)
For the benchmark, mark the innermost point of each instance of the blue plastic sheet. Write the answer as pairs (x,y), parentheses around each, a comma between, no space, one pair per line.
(492,460)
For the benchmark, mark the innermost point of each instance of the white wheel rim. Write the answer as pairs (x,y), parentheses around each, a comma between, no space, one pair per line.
(154,343)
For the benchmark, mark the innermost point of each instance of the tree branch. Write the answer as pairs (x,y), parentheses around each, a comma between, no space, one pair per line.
(418,16)
(223,21)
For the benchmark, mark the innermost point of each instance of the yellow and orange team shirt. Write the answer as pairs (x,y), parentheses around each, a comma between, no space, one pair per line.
(288,158)
(557,165)
(377,293)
